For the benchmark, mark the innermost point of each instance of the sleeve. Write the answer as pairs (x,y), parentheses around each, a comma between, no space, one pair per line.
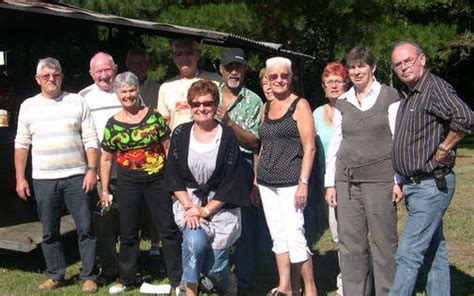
(449,107)
(336,138)
(108,143)
(23,134)
(162,106)
(233,188)
(174,179)
(392,116)
(89,133)
(254,119)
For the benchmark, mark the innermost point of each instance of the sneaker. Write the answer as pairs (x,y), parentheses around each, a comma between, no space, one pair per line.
(89,286)
(117,289)
(155,250)
(50,284)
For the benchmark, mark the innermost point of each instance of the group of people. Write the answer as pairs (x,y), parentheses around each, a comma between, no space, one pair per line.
(202,153)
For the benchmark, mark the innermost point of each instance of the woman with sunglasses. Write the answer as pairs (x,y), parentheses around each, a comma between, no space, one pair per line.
(334,83)
(359,178)
(137,138)
(286,157)
(203,172)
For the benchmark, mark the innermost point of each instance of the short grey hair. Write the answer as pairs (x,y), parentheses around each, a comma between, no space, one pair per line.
(278,61)
(50,63)
(411,43)
(127,78)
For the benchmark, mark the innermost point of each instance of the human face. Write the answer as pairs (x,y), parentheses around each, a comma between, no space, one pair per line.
(233,74)
(407,64)
(185,58)
(50,81)
(103,72)
(267,90)
(334,86)
(203,109)
(137,64)
(280,79)
(361,74)
(128,96)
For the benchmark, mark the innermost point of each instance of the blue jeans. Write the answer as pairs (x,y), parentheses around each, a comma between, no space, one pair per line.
(422,241)
(50,197)
(199,257)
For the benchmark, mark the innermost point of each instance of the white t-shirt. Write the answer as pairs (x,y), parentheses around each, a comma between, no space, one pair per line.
(172,97)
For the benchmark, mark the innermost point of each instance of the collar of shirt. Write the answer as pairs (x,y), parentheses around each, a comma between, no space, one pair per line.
(369,99)
(239,97)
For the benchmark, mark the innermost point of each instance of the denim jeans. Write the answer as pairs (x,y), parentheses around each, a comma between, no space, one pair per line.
(50,197)
(199,257)
(422,241)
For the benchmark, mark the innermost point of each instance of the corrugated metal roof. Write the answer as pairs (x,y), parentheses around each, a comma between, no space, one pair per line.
(161,29)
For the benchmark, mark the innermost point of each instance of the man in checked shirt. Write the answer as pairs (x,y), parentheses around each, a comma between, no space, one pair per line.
(431,121)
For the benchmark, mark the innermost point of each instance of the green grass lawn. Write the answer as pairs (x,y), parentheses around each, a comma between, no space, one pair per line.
(21,273)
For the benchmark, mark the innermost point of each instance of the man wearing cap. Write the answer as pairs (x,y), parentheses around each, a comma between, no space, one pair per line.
(173,93)
(240,109)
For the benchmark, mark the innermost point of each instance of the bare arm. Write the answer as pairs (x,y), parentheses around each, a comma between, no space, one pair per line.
(22,186)
(304,121)
(451,140)
(106,159)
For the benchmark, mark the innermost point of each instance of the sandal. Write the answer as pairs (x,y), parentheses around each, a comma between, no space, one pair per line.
(275,292)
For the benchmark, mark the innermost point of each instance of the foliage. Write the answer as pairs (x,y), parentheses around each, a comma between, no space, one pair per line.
(325,29)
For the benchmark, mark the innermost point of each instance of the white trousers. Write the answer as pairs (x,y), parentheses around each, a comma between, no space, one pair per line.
(286,224)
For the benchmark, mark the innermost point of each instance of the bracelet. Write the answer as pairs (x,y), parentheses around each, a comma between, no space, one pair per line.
(303,180)
(207,211)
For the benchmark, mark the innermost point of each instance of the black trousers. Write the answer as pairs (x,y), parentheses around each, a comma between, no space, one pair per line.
(132,193)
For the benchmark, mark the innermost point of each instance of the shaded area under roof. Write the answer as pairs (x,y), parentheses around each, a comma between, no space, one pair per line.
(153,28)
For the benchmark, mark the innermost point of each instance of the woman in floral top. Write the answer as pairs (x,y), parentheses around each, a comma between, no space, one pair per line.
(138,137)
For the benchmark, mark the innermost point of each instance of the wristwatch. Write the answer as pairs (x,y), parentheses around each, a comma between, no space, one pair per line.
(94,169)
(303,180)
(446,150)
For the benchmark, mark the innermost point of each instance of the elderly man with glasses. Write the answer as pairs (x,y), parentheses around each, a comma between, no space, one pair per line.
(59,127)
(431,121)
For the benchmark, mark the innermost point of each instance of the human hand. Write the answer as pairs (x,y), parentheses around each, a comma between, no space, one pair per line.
(106,199)
(330,197)
(301,196)
(222,114)
(445,158)
(397,194)
(23,189)
(90,181)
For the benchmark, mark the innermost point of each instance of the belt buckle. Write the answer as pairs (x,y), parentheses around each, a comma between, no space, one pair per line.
(414,179)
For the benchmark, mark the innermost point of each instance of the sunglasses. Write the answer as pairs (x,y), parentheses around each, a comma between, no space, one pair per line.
(283,76)
(206,104)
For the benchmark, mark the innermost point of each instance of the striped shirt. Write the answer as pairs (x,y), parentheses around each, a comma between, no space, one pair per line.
(425,116)
(59,131)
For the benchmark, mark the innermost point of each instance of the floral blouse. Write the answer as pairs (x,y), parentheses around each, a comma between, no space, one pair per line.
(138,147)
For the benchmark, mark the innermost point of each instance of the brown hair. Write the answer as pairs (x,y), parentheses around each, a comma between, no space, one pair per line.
(361,55)
(203,87)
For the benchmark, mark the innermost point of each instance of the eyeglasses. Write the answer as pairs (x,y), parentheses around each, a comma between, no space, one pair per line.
(283,76)
(206,104)
(332,82)
(46,77)
(406,63)
(183,52)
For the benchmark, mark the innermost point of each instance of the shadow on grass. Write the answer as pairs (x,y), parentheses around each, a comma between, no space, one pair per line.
(461,283)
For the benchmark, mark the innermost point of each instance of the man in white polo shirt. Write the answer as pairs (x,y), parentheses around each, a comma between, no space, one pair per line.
(103,102)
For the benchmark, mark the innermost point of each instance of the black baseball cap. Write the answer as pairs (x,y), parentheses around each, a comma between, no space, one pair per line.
(233,55)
